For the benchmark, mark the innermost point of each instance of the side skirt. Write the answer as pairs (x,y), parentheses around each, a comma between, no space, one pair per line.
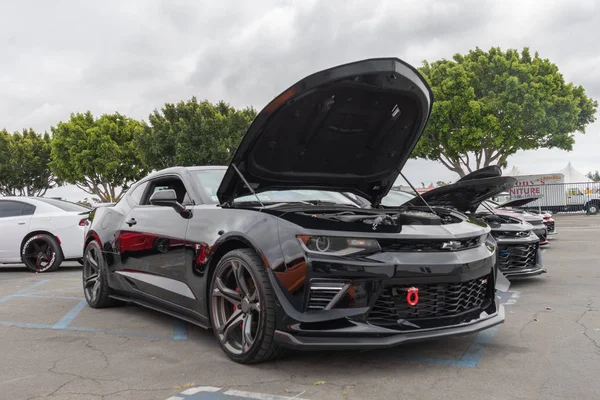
(162,310)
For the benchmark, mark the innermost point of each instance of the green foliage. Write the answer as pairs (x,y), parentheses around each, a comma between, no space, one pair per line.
(97,155)
(193,133)
(24,162)
(489,105)
(594,176)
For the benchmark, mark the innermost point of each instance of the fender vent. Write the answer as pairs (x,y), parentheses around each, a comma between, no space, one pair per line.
(324,294)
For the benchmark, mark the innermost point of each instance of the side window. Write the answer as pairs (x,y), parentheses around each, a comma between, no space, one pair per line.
(168,183)
(138,192)
(12,209)
(28,209)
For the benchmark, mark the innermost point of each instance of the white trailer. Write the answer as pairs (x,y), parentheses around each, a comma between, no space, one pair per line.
(556,194)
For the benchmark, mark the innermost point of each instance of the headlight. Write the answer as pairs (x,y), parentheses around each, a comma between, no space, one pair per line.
(338,246)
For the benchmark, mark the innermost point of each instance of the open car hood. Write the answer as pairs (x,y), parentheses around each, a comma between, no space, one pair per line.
(350,128)
(485,172)
(470,191)
(518,202)
(465,196)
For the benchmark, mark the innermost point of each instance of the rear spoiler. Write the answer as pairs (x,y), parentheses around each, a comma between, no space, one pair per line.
(97,205)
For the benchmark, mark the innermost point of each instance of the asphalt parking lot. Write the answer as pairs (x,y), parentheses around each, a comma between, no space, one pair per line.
(52,345)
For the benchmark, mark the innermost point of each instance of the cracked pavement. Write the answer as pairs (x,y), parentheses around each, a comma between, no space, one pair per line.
(549,347)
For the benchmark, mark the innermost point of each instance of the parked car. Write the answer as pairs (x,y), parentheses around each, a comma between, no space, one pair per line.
(539,227)
(41,232)
(520,203)
(518,250)
(549,222)
(223,247)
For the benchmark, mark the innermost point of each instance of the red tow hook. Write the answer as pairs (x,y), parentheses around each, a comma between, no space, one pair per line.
(412,296)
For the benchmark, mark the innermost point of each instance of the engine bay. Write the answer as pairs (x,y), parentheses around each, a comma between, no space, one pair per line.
(495,220)
(376,219)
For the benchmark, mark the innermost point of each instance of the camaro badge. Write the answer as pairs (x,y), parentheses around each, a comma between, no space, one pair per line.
(412,296)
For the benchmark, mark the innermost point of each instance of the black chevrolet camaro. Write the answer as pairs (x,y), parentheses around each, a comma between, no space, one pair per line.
(271,255)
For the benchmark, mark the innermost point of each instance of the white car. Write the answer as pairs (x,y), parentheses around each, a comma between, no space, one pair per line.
(41,232)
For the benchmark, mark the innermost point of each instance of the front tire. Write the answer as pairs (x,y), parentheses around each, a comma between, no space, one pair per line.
(41,253)
(242,308)
(592,208)
(95,280)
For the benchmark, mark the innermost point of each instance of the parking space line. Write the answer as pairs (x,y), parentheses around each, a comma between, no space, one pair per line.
(199,389)
(22,291)
(217,393)
(71,315)
(180,329)
(49,297)
(258,396)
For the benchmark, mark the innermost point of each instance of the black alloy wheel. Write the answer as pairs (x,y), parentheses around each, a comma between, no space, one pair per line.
(242,308)
(95,282)
(41,253)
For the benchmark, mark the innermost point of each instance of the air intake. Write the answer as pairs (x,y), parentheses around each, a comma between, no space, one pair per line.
(324,295)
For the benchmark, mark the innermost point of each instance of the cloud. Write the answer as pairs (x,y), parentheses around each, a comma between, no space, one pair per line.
(132,57)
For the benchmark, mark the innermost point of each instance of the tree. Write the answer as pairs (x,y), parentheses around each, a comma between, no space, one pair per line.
(97,155)
(24,159)
(595,176)
(489,105)
(193,133)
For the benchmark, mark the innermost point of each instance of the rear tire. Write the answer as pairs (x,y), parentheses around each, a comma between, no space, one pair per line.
(95,279)
(41,253)
(248,309)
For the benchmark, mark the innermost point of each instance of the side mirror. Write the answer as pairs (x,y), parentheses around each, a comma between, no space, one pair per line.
(168,198)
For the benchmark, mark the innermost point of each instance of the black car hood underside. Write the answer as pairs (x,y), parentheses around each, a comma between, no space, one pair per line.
(349,128)
(465,196)
(519,202)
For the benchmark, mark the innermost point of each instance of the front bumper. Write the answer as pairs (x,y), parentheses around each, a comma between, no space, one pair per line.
(362,336)
(456,296)
(525,273)
(526,260)
(542,234)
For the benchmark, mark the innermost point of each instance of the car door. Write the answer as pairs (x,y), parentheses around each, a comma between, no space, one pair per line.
(575,198)
(15,218)
(152,246)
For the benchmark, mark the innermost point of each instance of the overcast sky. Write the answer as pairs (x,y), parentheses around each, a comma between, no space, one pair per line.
(59,57)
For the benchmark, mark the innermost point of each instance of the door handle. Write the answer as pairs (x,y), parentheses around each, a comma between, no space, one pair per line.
(131,222)
(20,223)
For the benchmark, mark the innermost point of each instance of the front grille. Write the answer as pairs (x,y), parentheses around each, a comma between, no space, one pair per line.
(549,226)
(517,256)
(430,245)
(435,300)
(510,234)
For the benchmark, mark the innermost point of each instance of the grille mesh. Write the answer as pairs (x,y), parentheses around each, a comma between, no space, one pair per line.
(549,226)
(515,257)
(427,245)
(435,300)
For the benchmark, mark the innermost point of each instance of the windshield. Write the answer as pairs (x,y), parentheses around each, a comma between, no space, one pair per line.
(396,198)
(63,205)
(210,179)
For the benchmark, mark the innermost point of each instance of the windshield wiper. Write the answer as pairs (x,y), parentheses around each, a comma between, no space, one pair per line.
(319,202)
